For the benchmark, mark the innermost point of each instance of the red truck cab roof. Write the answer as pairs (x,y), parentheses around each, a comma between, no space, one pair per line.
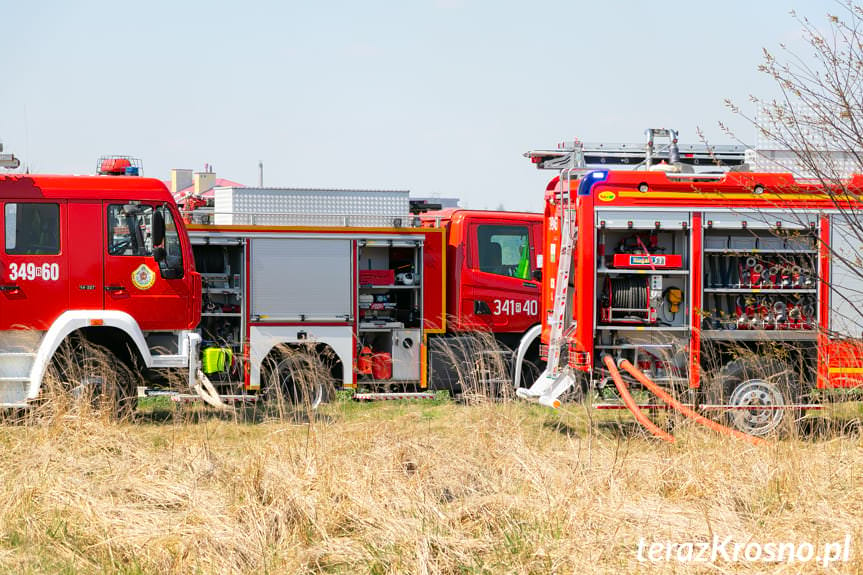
(459,214)
(27,186)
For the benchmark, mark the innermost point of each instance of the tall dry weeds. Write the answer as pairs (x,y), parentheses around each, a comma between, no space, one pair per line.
(480,366)
(414,488)
(488,487)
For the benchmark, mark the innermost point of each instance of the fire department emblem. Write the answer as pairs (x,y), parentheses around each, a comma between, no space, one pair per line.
(143,277)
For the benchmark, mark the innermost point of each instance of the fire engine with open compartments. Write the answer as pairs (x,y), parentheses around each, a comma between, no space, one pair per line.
(738,290)
(339,275)
(360,278)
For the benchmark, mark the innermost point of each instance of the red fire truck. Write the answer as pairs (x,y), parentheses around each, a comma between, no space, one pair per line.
(105,259)
(353,276)
(736,289)
(338,279)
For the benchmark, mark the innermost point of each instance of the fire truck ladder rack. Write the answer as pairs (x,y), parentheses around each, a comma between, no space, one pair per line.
(584,156)
(555,381)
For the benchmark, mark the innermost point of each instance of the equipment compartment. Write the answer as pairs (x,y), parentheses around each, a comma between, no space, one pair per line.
(222,309)
(389,308)
(764,285)
(643,275)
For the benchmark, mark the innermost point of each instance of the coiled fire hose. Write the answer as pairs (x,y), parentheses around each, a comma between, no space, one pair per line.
(629,293)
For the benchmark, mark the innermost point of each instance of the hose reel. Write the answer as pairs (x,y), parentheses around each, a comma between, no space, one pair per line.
(627,300)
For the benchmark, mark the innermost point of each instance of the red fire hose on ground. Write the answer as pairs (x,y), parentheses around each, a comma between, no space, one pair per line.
(679,407)
(630,403)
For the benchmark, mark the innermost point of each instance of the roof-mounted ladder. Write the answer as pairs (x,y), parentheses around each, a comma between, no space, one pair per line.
(616,155)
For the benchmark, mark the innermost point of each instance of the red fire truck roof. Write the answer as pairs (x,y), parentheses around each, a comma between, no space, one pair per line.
(21,186)
(452,213)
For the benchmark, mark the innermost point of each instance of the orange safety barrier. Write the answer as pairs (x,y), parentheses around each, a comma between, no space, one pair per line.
(664,396)
(630,403)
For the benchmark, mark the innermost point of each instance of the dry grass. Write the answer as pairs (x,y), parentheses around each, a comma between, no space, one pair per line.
(412,488)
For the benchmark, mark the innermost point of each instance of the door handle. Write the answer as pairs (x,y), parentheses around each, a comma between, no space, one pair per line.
(481,308)
(114,288)
(529,284)
(9,288)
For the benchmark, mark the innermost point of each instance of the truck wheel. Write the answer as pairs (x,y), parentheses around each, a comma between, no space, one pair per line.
(531,368)
(84,372)
(118,395)
(760,385)
(297,378)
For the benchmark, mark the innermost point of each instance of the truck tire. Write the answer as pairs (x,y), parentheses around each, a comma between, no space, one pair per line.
(85,372)
(469,363)
(297,378)
(756,382)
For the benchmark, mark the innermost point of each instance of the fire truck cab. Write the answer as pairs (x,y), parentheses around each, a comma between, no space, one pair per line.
(494,263)
(102,258)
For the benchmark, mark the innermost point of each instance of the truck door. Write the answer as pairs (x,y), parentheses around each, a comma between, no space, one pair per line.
(499,285)
(34,288)
(85,254)
(156,294)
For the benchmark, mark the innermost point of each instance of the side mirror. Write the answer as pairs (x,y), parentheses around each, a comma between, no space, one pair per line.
(158,229)
(159,254)
(537,275)
(172,273)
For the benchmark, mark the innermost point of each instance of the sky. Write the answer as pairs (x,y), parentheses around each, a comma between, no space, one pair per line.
(441,97)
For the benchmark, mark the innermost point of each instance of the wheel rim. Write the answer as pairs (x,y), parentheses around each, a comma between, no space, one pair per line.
(87,387)
(293,388)
(761,397)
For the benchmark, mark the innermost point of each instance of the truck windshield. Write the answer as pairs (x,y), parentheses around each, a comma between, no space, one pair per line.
(504,250)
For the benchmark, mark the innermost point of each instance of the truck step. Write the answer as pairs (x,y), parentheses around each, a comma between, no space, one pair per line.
(13,391)
(16,363)
(392,396)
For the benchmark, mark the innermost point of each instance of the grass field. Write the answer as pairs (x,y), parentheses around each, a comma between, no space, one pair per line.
(436,487)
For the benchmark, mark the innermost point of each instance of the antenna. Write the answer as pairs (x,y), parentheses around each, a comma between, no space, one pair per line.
(260,174)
